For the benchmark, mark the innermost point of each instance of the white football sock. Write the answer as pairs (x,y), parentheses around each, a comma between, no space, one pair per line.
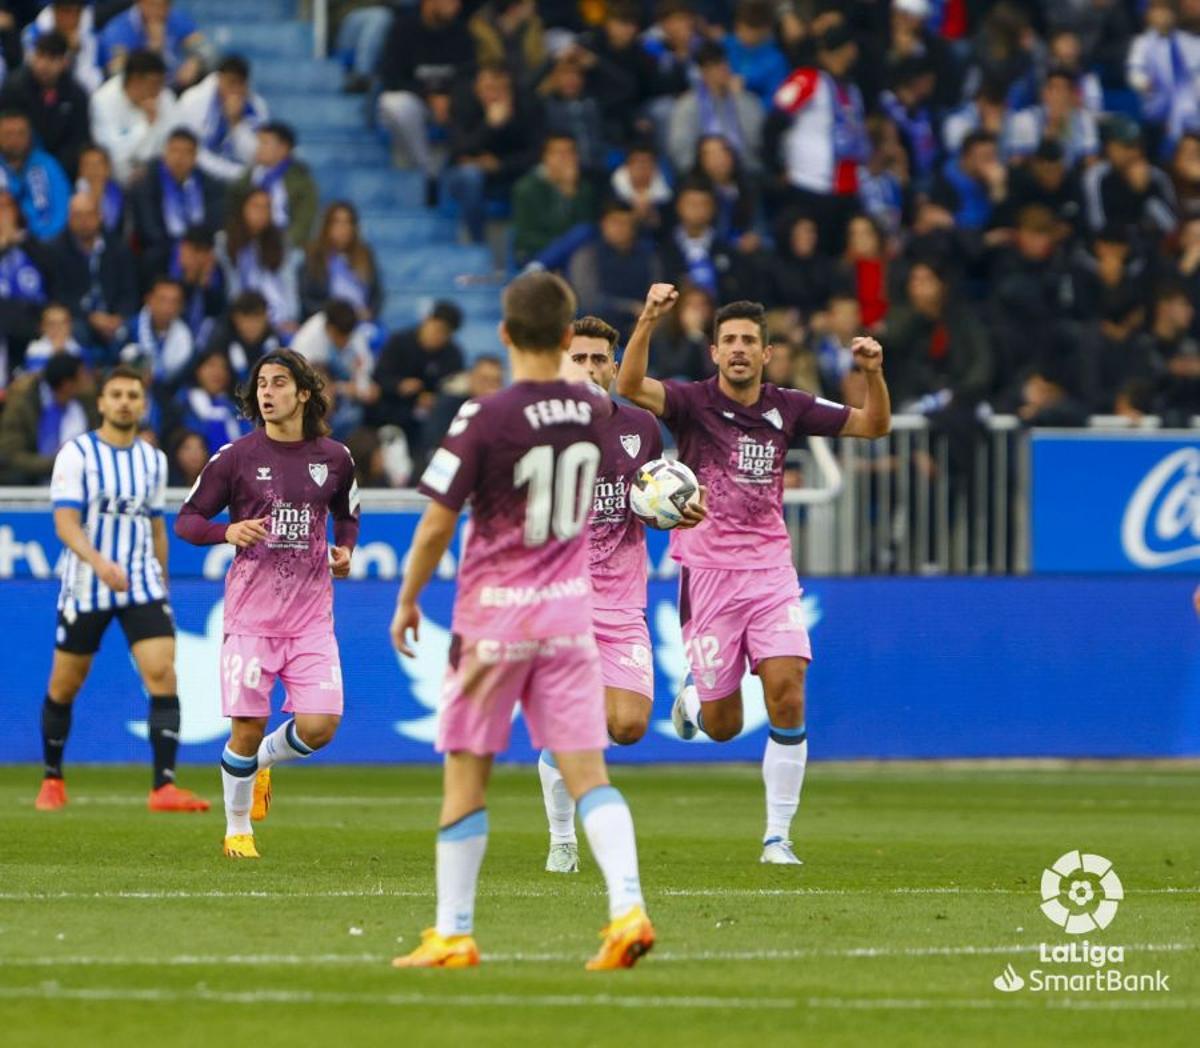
(691,701)
(460,848)
(237,781)
(609,829)
(560,809)
(783,776)
(283,744)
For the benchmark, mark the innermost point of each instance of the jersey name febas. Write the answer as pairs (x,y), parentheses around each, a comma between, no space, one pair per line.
(556,412)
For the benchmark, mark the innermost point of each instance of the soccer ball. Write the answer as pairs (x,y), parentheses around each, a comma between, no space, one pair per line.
(661,490)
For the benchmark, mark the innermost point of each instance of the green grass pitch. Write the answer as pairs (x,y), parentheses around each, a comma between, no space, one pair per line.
(118,927)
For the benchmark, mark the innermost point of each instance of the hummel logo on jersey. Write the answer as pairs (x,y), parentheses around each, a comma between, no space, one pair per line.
(773,417)
(632,443)
(318,471)
(727,414)
(264,472)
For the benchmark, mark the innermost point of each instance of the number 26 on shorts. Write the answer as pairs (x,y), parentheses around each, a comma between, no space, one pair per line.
(238,673)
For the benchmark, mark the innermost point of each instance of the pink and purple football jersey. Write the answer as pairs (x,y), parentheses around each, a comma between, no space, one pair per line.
(281,586)
(738,454)
(526,459)
(629,438)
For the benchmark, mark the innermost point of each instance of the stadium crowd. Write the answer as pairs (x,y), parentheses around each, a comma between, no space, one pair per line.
(1007,194)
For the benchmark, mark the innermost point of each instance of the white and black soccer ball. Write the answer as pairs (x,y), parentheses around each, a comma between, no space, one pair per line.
(661,490)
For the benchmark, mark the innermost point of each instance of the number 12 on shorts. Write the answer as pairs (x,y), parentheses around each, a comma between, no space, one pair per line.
(703,653)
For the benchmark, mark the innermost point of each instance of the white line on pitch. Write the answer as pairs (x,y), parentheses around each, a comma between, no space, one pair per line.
(413,999)
(1026,1003)
(308,799)
(340,959)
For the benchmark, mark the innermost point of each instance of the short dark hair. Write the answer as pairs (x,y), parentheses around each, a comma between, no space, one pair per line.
(184,132)
(742,310)
(558,136)
(236,65)
(695,184)
(199,236)
(447,312)
(667,8)
(710,53)
(1061,72)
(976,138)
(144,63)
(162,280)
(15,114)
(340,315)
(488,358)
(52,44)
(123,371)
(249,304)
(62,367)
(538,309)
(305,377)
(594,327)
(615,205)
(628,11)
(284,132)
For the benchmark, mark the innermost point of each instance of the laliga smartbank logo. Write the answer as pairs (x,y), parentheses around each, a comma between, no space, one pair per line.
(1081,893)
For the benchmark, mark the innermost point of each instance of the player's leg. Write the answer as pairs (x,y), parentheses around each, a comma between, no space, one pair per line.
(779,648)
(77,639)
(563,710)
(475,723)
(713,621)
(248,669)
(150,631)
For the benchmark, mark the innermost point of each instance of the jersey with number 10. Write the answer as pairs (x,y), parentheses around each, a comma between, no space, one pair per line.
(526,459)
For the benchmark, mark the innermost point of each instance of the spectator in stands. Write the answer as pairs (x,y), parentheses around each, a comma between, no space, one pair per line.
(913,37)
(1126,189)
(1187,265)
(427,51)
(485,377)
(610,275)
(162,29)
(254,256)
(206,405)
(173,195)
(76,21)
(907,105)
(939,353)
(1103,275)
(246,334)
(976,180)
(362,29)
(754,56)
(341,265)
(833,330)
(94,276)
(800,276)
(1176,352)
(615,44)
(1110,353)
(1004,47)
(1061,118)
(717,105)
(1185,174)
(193,263)
(34,178)
(287,181)
(187,455)
(23,281)
(132,113)
(641,184)
(41,413)
(865,269)
(552,200)
(816,137)
(160,342)
(336,342)
(95,177)
(1065,51)
(510,32)
(1046,399)
(1044,180)
(1163,66)
(568,96)
(693,251)
(494,140)
(412,367)
(57,107)
(735,192)
(366,449)
(987,111)
(56,337)
(225,114)
(883,182)
(680,348)
(672,42)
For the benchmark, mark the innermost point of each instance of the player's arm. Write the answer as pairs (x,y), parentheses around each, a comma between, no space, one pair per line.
(632,381)
(874,418)
(432,539)
(210,496)
(344,508)
(68,526)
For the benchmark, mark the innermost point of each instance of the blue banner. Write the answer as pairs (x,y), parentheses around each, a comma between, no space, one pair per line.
(1125,503)
(925,668)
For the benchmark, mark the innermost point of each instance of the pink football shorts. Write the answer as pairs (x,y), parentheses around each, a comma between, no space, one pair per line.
(309,667)
(731,617)
(556,680)
(623,640)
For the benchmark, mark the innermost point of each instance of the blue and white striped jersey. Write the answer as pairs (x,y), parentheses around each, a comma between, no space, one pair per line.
(118,491)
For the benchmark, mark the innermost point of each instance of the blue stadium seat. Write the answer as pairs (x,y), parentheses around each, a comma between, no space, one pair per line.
(433,266)
(241,10)
(276,75)
(372,187)
(389,228)
(405,306)
(319,109)
(365,152)
(258,40)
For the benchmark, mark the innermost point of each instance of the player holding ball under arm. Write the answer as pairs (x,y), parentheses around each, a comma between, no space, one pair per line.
(739,598)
